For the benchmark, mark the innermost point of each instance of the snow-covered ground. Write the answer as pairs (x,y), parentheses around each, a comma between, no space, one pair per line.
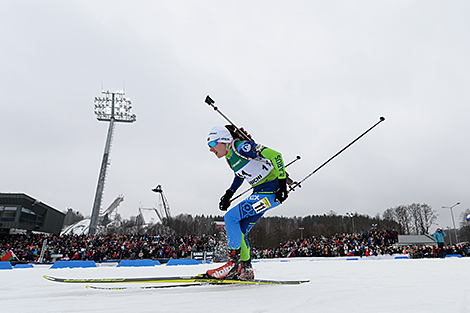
(337,285)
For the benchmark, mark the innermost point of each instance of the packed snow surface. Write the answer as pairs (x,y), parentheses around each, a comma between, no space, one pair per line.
(337,285)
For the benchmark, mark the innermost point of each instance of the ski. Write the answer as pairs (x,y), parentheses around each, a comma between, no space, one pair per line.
(145,287)
(175,279)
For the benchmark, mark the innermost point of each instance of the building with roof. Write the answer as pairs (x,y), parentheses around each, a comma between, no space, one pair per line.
(19,211)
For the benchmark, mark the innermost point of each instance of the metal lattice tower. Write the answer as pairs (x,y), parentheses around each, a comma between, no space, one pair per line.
(112,107)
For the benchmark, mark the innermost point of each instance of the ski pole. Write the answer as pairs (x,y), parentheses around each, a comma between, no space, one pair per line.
(292,188)
(294,160)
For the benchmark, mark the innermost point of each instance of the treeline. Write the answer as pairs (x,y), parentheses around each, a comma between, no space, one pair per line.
(72,217)
(270,231)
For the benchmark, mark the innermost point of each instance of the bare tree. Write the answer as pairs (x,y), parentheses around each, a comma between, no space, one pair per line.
(427,217)
(414,212)
(415,218)
(402,217)
(422,216)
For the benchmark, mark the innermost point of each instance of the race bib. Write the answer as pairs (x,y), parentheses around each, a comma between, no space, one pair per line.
(261,205)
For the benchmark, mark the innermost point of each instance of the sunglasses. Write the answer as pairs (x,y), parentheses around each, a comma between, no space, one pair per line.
(213,143)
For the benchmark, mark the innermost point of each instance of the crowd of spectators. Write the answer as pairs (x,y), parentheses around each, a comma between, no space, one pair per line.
(373,243)
(420,252)
(103,247)
(376,242)
(117,247)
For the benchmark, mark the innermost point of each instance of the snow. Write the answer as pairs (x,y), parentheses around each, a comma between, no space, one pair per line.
(337,285)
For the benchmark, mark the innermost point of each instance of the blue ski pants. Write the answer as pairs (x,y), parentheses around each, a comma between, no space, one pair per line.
(242,217)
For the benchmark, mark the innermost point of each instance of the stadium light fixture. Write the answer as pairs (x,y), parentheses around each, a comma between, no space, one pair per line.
(113,105)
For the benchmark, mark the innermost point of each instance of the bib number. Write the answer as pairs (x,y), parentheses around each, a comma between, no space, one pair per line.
(261,205)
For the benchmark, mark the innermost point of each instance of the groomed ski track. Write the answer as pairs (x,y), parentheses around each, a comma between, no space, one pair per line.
(337,285)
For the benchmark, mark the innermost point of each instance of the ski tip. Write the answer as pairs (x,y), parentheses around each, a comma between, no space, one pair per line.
(49,277)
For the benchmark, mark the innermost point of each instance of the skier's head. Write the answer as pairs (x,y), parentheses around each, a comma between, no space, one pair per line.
(219,134)
(219,141)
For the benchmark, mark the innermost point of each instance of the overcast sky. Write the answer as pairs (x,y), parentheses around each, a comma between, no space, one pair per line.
(303,77)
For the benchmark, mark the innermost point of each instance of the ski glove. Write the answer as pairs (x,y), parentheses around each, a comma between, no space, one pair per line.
(281,193)
(225,200)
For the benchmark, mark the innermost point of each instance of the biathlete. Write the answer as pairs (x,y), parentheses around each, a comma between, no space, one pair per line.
(264,170)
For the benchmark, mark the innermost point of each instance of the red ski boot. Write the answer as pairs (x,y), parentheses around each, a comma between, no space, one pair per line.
(246,271)
(229,270)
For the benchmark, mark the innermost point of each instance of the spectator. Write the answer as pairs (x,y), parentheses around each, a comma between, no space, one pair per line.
(439,235)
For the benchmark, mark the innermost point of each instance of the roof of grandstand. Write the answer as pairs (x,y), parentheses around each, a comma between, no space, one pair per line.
(406,240)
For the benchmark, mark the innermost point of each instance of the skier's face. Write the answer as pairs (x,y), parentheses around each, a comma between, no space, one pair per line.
(219,150)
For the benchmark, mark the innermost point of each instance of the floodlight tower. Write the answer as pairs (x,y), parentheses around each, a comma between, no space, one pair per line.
(453,221)
(111,107)
(164,207)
